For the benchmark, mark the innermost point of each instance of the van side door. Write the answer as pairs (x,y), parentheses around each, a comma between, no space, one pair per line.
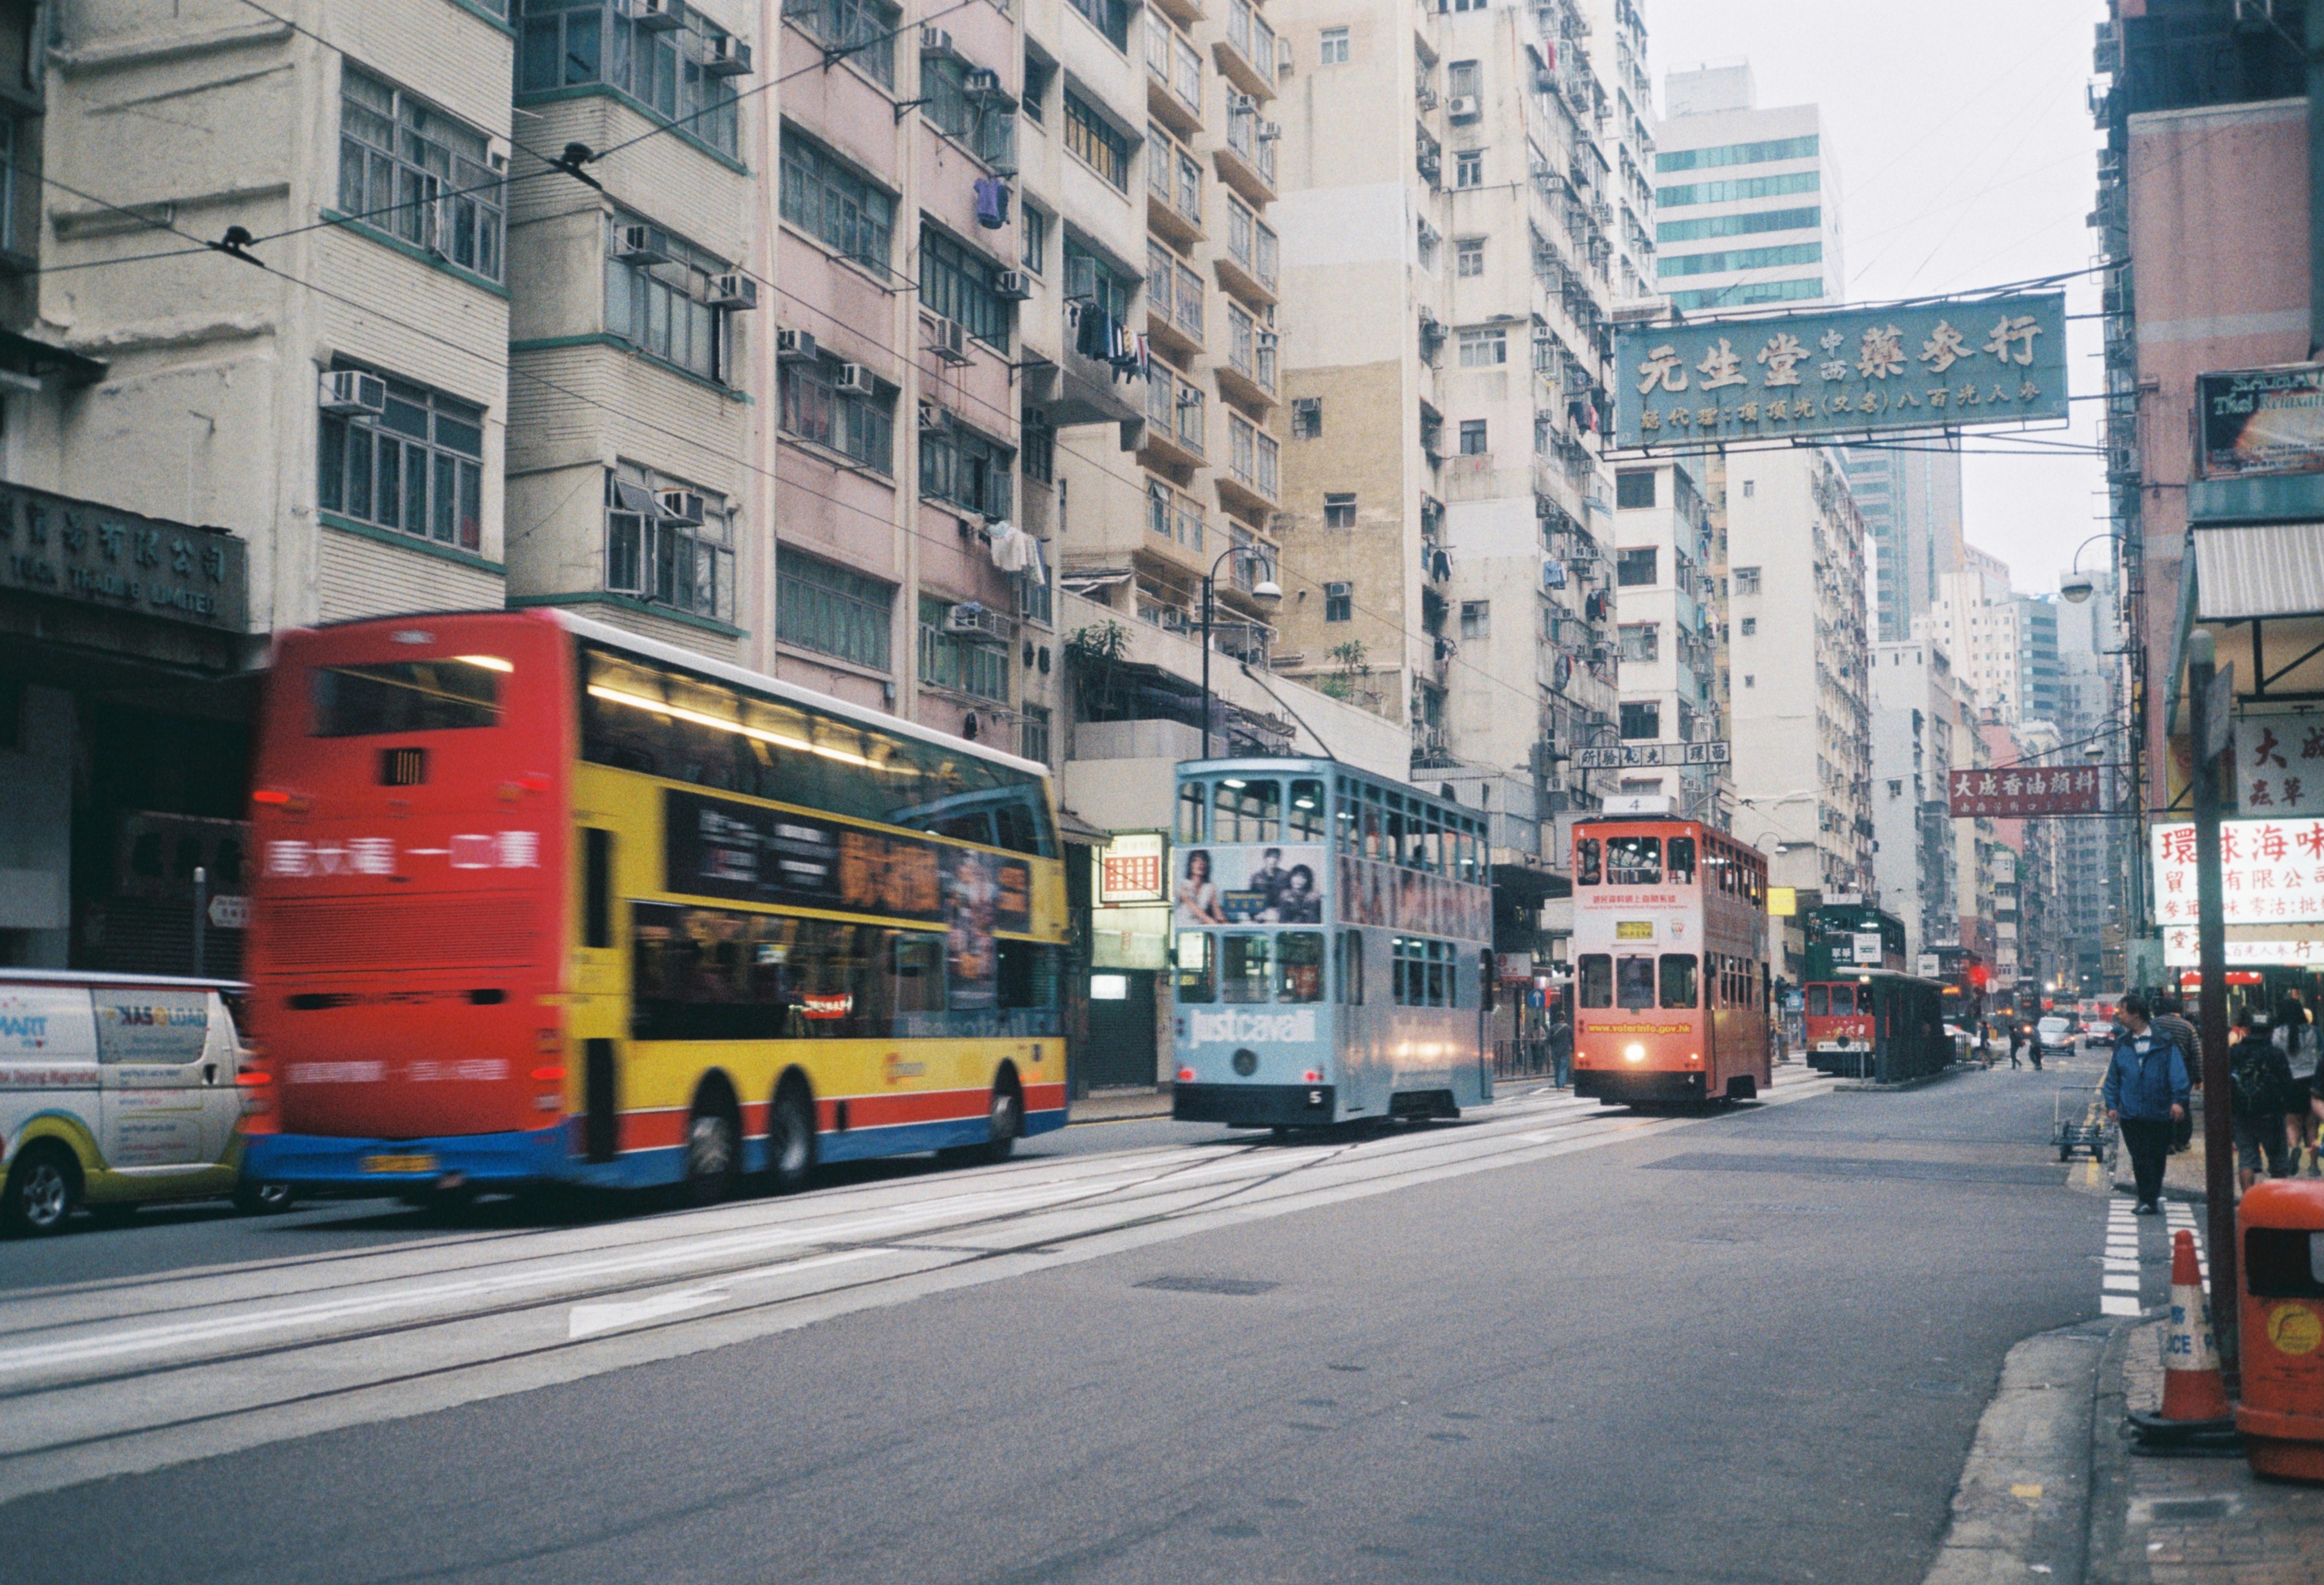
(152,1044)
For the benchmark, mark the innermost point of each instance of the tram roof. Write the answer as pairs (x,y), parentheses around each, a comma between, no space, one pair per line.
(1295,765)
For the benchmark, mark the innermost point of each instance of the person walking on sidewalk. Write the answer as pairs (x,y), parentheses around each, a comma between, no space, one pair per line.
(2017,1039)
(2260,1092)
(2145,1093)
(2170,1019)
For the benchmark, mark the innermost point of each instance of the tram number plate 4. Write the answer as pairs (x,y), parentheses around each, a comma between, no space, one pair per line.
(400,1164)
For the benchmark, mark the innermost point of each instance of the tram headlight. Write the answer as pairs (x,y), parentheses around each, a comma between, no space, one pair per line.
(1634,1052)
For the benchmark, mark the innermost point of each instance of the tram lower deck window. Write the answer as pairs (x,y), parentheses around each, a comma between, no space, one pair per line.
(1634,983)
(1194,967)
(1819,1001)
(1596,972)
(1300,965)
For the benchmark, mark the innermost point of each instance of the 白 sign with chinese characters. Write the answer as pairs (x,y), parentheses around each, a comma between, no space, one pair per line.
(79,550)
(2270,871)
(2032,790)
(1129,870)
(2279,764)
(1843,371)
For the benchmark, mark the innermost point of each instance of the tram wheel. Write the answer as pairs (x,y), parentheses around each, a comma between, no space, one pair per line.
(790,1137)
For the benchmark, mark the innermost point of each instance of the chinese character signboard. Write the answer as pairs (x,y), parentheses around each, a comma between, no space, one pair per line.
(1130,868)
(76,550)
(2271,871)
(1650,756)
(2279,764)
(2032,790)
(1843,372)
(2260,421)
(2297,949)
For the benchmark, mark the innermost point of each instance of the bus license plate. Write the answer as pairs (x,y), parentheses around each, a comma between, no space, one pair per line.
(400,1164)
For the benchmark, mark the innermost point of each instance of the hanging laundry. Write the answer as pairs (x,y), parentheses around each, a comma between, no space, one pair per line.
(992,202)
(1010,547)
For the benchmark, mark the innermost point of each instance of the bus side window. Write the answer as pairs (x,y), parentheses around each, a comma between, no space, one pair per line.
(1682,861)
(1596,973)
(1194,966)
(1190,811)
(596,886)
(1306,811)
(1678,989)
(1819,1001)
(1585,863)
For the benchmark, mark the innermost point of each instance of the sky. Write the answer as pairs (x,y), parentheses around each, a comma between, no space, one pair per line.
(1967,159)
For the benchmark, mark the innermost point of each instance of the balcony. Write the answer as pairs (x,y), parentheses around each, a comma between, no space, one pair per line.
(1173,76)
(1247,163)
(1250,480)
(1184,12)
(1175,521)
(1246,56)
(1174,189)
(1174,411)
(1248,268)
(1247,374)
(1174,301)
(1084,389)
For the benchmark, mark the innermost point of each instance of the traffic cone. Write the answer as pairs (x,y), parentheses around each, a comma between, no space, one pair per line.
(2192,1388)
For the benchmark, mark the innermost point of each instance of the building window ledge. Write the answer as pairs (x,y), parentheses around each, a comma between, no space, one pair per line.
(884,281)
(412,542)
(623,343)
(365,228)
(806,656)
(485,15)
(838,459)
(622,602)
(591,90)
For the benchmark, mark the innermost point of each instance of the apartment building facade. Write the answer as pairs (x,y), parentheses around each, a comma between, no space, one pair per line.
(1747,197)
(1915,862)
(1669,612)
(1450,272)
(1911,498)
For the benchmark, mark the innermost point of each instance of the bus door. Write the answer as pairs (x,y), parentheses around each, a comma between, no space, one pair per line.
(599,979)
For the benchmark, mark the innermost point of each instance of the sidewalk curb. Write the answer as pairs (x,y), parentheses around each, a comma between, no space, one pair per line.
(1876,1087)
(2023,1505)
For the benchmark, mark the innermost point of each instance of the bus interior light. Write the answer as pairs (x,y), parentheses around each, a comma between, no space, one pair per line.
(488,663)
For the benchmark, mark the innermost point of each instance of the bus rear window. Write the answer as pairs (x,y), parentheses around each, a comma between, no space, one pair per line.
(1597,976)
(408,696)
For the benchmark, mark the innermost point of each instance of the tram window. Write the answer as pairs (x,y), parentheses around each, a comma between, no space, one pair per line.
(1396,853)
(1300,965)
(1819,1001)
(1634,983)
(1439,974)
(1585,863)
(1192,796)
(1351,967)
(1432,846)
(1374,836)
(1347,821)
(1679,988)
(1247,812)
(1194,967)
(1843,1000)
(1596,973)
(1306,811)
(1634,861)
(1243,968)
(1682,861)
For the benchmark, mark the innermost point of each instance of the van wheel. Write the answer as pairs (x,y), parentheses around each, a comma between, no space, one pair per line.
(255,1199)
(790,1138)
(43,1190)
(710,1153)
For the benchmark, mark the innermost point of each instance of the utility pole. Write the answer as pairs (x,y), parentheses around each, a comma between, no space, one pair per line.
(2210,691)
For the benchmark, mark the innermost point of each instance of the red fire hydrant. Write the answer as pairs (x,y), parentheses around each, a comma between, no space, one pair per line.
(2281,1226)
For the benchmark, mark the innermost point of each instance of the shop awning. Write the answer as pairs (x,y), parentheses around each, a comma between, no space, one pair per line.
(2262,570)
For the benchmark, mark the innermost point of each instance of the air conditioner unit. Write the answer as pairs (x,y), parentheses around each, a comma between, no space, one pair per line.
(971,620)
(639,245)
(683,507)
(935,40)
(934,419)
(1463,107)
(1269,340)
(1242,105)
(659,16)
(728,57)
(736,290)
(980,82)
(949,340)
(1015,285)
(1268,131)
(794,346)
(351,391)
(855,380)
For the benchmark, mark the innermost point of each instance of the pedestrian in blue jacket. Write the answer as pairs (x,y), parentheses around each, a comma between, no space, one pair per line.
(2146,1091)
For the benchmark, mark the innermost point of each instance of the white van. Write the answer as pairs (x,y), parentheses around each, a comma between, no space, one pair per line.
(115,1090)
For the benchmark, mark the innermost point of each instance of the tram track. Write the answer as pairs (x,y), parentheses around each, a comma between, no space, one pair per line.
(80,1421)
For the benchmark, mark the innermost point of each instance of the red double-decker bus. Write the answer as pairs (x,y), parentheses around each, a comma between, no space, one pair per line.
(1671,974)
(536,900)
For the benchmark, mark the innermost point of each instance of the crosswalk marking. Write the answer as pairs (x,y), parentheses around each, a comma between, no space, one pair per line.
(2122,1271)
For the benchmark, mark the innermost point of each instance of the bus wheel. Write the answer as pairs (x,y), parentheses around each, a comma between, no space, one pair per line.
(1004,1121)
(44,1186)
(710,1152)
(256,1198)
(790,1138)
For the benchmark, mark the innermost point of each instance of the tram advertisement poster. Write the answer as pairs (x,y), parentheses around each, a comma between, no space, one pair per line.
(1372,893)
(1249,884)
(721,848)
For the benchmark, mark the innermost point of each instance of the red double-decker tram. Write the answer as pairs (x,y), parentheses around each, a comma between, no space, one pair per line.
(1671,973)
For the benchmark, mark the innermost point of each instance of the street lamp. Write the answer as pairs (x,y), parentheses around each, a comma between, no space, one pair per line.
(2078,586)
(1266,591)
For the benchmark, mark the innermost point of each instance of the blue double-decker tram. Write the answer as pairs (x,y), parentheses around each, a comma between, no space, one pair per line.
(1331,935)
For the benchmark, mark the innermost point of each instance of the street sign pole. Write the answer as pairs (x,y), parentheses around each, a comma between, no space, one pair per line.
(2209,691)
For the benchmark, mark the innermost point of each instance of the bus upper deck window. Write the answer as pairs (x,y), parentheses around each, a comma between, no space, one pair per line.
(1634,861)
(444,695)
(1247,811)
(1682,861)
(1243,968)
(1194,967)
(1596,973)
(1634,983)
(1300,965)
(1192,796)
(1679,988)
(1585,861)
(1819,1001)
(1306,814)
